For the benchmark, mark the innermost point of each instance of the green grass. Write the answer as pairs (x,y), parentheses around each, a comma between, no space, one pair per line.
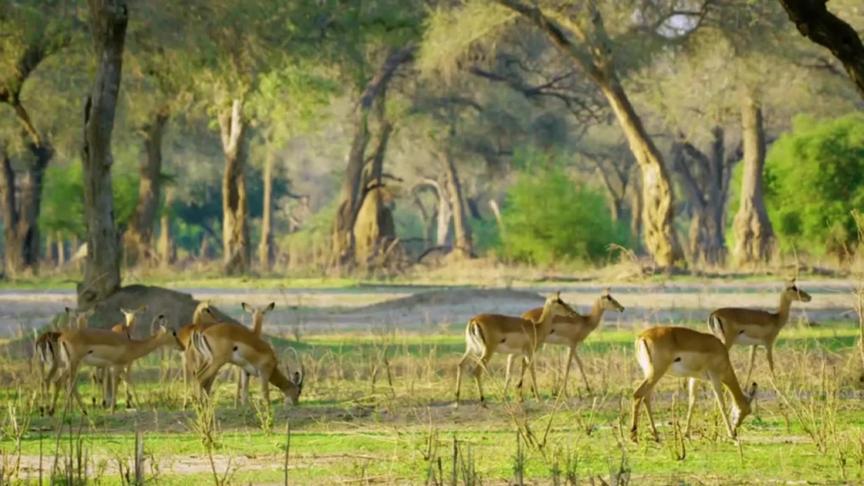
(353,425)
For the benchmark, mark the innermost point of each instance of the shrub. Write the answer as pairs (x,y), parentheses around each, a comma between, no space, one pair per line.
(548,217)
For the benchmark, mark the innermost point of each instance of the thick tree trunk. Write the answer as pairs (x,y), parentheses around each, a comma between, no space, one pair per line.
(816,22)
(235,232)
(462,244)
(754,237)
(265,247)
(138,240)
(21,196)
(108,20)
(61,251)
(351,194)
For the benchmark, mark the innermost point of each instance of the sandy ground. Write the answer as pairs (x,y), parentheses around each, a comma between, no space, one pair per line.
(419,308)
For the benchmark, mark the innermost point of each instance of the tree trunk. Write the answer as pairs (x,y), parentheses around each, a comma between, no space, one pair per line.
(108,20)
(166,247)
(61,251)
(235,233)
(816,22)
(265,248)
(462,245)
(657,205)
(21,196)
(754,237)
(351,193)
(138,240)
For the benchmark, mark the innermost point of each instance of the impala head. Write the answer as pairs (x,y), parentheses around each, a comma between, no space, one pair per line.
(82,317)
(792,292)
(130,314)
(738,413)
(609,303)
(292,393)
(204,311)
(558,307)
(258,312)
(162,332)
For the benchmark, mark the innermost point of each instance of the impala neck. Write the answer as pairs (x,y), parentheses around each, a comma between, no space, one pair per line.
(257,323)
(783,311)
(545,320)
(142,348)
(741,400)
(196,316)
(596,313)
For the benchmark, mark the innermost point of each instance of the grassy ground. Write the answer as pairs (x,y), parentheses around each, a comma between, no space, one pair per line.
(379,408)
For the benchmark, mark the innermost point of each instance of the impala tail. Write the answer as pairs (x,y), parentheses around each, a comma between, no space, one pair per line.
(202,346)
(716,326)
(643,354)
(474,338)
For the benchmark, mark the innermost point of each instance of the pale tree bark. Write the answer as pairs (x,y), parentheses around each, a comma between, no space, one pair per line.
(108,19)
(342,248)
(817,23)
(61,251)
(442,214)
(594,57)
(754,236)
(235,232)
(138,239)
(462,243)
(265,247)
(166,245)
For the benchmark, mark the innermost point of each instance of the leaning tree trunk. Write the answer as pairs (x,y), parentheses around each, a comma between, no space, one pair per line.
(235,232)
(138,240)
(754,236)
(265,247)
(816,22)
(462,245)
(108,20)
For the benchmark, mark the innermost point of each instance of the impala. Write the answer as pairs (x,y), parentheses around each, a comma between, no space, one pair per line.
(203,316)
(123,328)
(47,347)
(229,343)
(103,348)
(257,314)
(572,330)
(754,327)
(691,354)
(488,333)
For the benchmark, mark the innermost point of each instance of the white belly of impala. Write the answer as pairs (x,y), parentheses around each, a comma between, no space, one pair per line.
(238,359)
(507,348)
(557,339)
(747,340)
(688,365)
(93,360)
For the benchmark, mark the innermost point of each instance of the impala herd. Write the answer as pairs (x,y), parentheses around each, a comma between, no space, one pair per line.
(207,344)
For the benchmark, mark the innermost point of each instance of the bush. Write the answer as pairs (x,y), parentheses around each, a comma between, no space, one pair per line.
(548,217)
(814,179)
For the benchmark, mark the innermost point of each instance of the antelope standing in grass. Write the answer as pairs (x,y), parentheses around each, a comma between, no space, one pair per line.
(221,344)
(124,328)
(202,317)
(47,347)
(570,331)
(258,314)
(487,334)
(690,354)
(102,348)
(733,325)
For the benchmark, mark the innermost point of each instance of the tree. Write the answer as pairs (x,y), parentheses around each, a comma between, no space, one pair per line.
(813,19)
(579,34)
(34,35)
(108,20)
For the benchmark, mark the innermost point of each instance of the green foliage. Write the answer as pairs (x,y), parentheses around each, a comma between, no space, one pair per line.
(548,217)
(814,178)
(485,234)
(311,244)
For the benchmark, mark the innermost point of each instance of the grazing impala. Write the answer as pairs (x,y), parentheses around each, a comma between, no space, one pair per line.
(691,354)
(572,330)
(755,327)
(257,314)
(103,348)
(488,333)
(221,344)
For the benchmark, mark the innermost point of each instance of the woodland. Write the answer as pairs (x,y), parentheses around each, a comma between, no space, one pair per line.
(333,137)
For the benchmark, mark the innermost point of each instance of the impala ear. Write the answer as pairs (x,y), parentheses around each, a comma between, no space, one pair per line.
(270,307)
(246,307)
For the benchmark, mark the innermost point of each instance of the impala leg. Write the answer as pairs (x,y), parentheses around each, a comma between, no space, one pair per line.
(642,396)
(522,362)
(207,375)
(509,373)
(581,368)
(530,362)
(459,369)
(691,402)
(752,361)
(716,384)
(478,377)
(769,353)
(72,390)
